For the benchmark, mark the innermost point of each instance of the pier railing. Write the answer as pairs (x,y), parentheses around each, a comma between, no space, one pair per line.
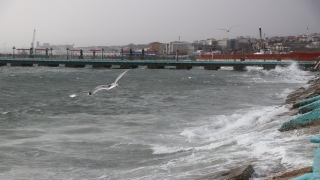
(97,57)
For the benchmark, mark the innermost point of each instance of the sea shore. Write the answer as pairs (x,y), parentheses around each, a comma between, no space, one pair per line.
(246,170)
(302,93)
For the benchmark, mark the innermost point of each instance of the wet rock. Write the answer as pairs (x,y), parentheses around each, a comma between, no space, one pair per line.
(292,174)
(302,97)
(240,173)
(304,93)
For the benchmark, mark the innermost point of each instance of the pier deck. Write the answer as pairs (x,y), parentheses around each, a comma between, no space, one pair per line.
(152,64)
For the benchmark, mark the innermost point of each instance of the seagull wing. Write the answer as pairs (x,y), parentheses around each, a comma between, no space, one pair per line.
(115,82)
(101,87)
(107,87)
(222,29)
(234,26)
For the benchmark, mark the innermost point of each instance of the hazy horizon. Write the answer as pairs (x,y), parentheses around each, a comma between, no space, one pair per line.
(121,22)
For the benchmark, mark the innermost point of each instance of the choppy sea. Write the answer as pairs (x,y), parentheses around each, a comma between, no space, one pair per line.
(159,124)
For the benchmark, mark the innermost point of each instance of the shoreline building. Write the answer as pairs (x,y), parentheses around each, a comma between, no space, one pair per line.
(181,46)
(157,46)
(205,45)
(228,44)
(147,52)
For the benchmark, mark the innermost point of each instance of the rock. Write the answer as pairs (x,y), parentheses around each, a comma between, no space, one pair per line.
(301,98)
(304,93)
(292,174)
(240,173)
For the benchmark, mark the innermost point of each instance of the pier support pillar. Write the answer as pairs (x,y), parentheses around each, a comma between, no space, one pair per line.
(48,64)
(97,65)
(3,64)
(268,67)
(126,66)
(211,67)
(107,66)
(53,65)
(183,67)
(15,64)
(239,68)
(75,65)
(152,66)
(101,66)
(22,64)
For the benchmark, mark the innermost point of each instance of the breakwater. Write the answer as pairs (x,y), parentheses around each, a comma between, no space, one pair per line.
(306,103)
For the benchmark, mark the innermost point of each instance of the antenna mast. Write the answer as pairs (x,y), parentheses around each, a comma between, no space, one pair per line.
(32,44)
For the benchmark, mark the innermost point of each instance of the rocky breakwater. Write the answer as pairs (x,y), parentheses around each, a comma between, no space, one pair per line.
(304,102)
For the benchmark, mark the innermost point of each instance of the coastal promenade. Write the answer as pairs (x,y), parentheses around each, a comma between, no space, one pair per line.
(152,64)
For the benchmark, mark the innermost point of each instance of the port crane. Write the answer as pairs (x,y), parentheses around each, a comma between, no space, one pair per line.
(32,44)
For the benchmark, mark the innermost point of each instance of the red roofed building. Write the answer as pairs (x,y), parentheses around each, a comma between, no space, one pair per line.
(182,52)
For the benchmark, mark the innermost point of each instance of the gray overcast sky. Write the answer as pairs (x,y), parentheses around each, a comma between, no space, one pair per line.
(120,22)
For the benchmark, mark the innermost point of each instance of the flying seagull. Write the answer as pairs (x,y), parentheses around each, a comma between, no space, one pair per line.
(227,30)
(107,87)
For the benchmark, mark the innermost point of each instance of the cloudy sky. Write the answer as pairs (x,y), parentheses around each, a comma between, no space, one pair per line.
(120,22)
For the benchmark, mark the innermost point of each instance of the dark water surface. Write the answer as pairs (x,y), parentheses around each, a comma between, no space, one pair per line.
(160,124)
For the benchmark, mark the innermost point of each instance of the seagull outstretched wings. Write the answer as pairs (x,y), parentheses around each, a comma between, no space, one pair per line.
(227,30)
(109,86)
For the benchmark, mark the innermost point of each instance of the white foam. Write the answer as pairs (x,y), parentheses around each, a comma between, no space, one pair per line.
(290,74)
(251,119)
(251,134)
(226,68)
(190,77)
(197,132)
(168,150)
(73,95)
(275,145)
(253,68)
(285,93)
(102,177)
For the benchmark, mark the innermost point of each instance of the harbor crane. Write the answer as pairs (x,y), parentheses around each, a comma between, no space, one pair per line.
(32,44)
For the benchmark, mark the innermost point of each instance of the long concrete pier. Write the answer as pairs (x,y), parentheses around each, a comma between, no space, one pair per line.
(151,64)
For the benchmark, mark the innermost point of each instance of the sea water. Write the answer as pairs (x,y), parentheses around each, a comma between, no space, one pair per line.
(159,124)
